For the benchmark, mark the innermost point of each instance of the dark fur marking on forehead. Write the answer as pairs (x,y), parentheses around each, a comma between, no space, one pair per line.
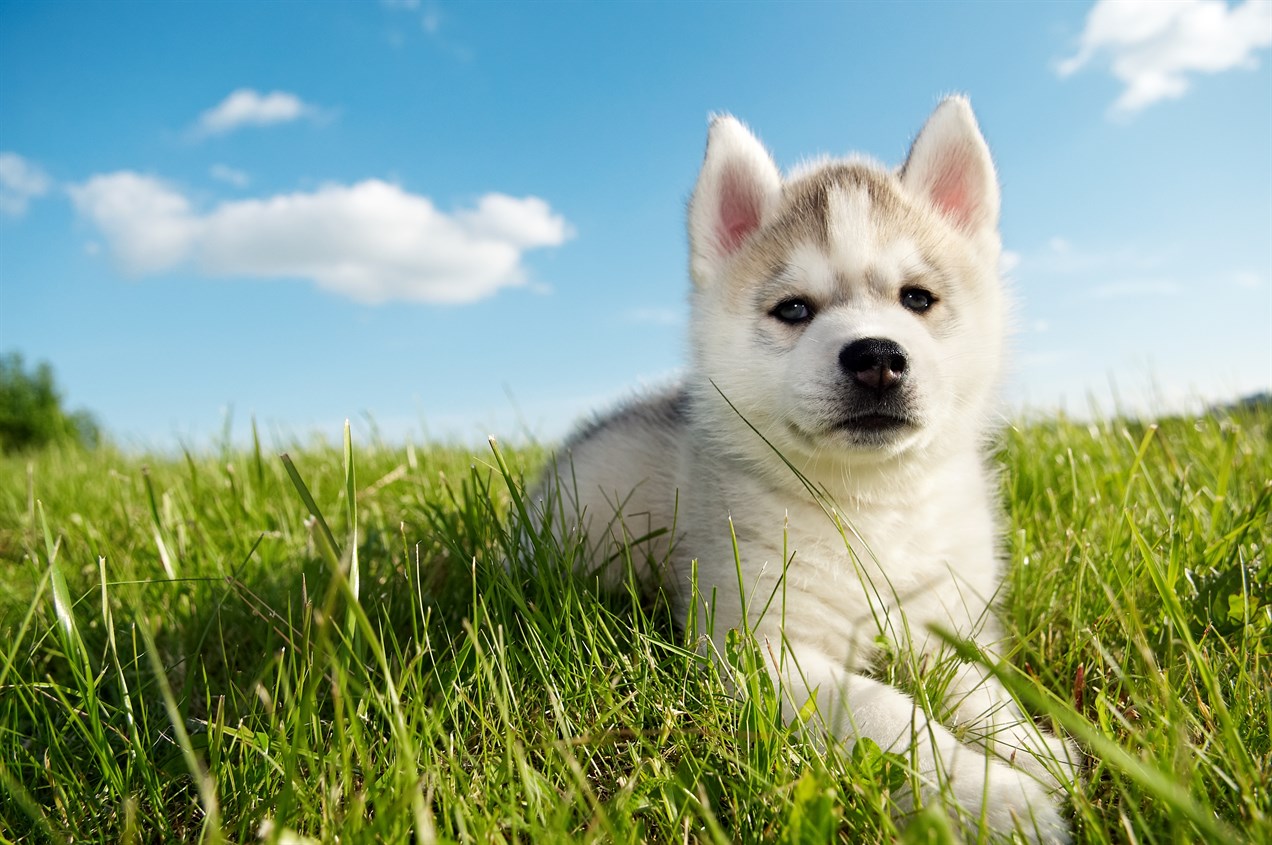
(805,209)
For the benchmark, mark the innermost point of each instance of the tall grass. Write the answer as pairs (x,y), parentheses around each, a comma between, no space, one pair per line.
(234,647)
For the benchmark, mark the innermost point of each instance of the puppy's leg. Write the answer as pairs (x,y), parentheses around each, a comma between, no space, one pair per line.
(853,706)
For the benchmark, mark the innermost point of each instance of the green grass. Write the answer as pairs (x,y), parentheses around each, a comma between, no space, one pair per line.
(190,651)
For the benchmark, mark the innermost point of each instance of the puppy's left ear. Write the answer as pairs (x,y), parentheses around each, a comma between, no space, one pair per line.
(950,165)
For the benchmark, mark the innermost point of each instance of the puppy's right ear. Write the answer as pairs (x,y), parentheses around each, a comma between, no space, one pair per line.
(737,189)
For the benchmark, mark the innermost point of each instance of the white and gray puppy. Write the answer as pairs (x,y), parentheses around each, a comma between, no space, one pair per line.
(847,335)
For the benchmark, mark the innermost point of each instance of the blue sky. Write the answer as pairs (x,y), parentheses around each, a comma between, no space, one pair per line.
(464,219)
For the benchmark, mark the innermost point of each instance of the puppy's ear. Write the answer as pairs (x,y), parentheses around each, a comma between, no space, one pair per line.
(737,189)
(949,164)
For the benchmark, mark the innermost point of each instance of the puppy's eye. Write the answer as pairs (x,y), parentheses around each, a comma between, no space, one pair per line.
(793,311)
(917,300)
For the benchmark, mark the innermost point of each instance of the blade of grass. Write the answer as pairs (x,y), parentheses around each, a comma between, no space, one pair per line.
(203,781)
(1156,782)
(165,556)
(325,540)
(351,515)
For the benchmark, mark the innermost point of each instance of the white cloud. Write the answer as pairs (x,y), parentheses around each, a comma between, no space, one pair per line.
(20,182)
(371,241)
(524,222)
(150,226)
(1154,46)
(229,175)
(246,107)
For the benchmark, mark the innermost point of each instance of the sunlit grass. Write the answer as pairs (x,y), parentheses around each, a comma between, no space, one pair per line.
(187,655)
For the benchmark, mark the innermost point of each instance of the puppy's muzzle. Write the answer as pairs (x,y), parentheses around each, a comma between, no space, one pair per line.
(875,365)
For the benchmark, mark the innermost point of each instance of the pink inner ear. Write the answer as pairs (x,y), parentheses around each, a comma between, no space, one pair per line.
(739,210)
(953,194)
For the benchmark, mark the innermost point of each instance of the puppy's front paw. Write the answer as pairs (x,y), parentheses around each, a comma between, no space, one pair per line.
(1051,760)
(1017,801)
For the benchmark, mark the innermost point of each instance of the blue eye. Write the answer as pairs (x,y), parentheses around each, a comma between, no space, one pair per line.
(917,300)
(793,311)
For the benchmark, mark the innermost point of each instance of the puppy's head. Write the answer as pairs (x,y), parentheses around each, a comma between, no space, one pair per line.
(849,313)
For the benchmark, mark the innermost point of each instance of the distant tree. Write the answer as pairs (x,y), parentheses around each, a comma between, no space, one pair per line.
(31,412)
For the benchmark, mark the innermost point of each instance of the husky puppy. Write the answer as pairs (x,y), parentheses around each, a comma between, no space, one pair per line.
(847,333)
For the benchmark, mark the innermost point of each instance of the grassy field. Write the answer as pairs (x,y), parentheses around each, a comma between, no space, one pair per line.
(188,654)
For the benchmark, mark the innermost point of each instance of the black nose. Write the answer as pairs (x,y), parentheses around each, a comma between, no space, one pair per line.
(873,363)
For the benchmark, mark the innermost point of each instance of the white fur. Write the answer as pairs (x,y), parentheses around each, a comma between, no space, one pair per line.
(902,537)
(951,154)
(735,154)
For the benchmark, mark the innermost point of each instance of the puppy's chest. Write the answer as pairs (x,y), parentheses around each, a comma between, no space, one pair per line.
(837,556)
(835,580)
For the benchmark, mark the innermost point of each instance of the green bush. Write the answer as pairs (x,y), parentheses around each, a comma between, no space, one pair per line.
(31,412)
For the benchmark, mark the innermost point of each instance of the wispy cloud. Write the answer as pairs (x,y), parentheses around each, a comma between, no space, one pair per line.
(20,182)
(1136,288)
(229,175)
(1008,261)
(656,316)
(1043,358)
(1061,257)
(247,107)
(371,241)
(431,18)
(1155,46)
(1120,273)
